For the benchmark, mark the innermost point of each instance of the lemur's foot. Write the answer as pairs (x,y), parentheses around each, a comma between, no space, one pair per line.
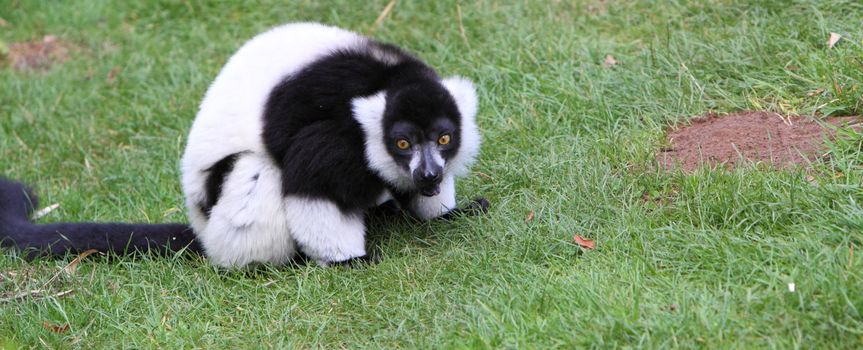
(357,262)
(478,206)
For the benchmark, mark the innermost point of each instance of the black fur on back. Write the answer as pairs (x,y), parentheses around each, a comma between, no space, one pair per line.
(16,230)
(310,131)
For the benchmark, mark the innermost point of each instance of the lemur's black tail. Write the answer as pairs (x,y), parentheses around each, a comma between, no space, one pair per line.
(16,230)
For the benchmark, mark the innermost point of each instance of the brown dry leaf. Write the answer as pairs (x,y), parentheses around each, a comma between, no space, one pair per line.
(112,75)
(484,175)
(530,216)
(609,62)
(834,38)
(3,23)
(815,92)
(70,269)
(55,328)
(584,242)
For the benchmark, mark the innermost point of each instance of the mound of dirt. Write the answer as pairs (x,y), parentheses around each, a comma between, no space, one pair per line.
(37,55)
(744,137)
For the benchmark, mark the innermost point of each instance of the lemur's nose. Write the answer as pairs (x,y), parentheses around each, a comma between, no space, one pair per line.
(430,177)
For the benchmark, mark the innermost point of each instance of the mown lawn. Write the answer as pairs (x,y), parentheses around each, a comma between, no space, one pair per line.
(682,260)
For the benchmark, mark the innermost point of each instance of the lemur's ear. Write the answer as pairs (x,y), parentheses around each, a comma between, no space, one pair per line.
(369,111)
(464,93)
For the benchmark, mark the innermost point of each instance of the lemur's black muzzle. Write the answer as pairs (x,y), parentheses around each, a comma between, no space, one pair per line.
(428,174)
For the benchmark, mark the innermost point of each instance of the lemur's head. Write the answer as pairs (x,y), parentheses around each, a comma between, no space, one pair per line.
(419,133)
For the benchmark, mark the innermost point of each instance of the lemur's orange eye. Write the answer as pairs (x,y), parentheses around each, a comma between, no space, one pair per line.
(443,140)
(403,144)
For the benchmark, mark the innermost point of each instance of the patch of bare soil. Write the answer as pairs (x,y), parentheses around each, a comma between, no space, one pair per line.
(759,137)
(37,55)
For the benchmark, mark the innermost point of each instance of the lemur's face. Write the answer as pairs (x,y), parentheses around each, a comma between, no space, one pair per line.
(423,151)
(421,133)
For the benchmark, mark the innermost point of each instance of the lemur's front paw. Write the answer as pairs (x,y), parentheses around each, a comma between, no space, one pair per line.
(479,206)
(357,262)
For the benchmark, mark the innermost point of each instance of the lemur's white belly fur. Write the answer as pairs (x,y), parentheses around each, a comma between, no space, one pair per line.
(229,121)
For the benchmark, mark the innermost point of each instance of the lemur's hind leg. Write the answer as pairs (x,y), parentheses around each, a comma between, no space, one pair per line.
(247,224)
(324,232)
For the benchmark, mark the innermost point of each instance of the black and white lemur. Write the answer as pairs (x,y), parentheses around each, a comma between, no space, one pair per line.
(305,128)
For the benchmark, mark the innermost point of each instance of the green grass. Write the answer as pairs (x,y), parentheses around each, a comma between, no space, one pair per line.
(705,264)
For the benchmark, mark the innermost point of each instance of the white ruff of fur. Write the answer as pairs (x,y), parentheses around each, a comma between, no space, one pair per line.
(369,112)
(464,93)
